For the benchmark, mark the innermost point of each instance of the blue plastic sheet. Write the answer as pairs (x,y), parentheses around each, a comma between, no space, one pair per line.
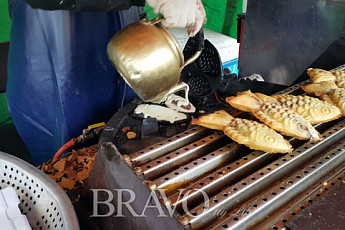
(59,77)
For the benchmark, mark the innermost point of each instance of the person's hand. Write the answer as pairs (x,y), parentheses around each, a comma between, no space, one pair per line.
(181,13)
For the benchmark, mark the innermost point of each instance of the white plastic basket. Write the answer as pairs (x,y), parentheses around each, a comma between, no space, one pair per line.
(43,201)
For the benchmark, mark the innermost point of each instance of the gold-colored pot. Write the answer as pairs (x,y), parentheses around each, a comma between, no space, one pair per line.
(148,58)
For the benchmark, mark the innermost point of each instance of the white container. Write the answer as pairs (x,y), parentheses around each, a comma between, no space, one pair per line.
(10,216)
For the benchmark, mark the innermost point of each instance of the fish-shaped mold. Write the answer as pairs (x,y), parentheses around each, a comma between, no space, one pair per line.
(328,91)
(280,118)
(250,133)
(311,109)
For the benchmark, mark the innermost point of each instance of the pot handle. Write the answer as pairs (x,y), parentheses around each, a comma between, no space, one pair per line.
(152,21)
(180,86)
(200,43)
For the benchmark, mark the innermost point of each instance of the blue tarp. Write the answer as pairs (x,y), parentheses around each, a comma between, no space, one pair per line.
(59,77)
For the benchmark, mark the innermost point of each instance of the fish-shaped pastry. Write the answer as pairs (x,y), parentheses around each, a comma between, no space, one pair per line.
(328,91)
(311,109)
(280,118)
(253,134)
(217,120)
(340,77)
(319,75)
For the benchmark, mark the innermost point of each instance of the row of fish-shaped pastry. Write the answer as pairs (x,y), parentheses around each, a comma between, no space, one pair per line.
(320,75)
(288,114)
(328,85)
(293,115)
(278,113)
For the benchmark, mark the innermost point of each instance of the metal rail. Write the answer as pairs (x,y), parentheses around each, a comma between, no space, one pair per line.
(152,152)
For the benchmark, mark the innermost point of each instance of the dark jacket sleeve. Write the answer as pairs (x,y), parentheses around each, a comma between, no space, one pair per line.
(87,5)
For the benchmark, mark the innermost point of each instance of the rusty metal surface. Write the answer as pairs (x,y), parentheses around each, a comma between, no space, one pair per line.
(111,172)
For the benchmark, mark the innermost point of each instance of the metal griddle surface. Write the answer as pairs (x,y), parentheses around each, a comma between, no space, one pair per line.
(247,189)
(326,212)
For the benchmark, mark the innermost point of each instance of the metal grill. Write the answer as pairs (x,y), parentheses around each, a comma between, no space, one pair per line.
(246,188)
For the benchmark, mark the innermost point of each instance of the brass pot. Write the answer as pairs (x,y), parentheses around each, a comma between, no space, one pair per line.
(148,58)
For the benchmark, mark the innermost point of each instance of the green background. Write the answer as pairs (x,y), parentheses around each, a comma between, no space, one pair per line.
(5,23)
(221,15)
(5,28)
